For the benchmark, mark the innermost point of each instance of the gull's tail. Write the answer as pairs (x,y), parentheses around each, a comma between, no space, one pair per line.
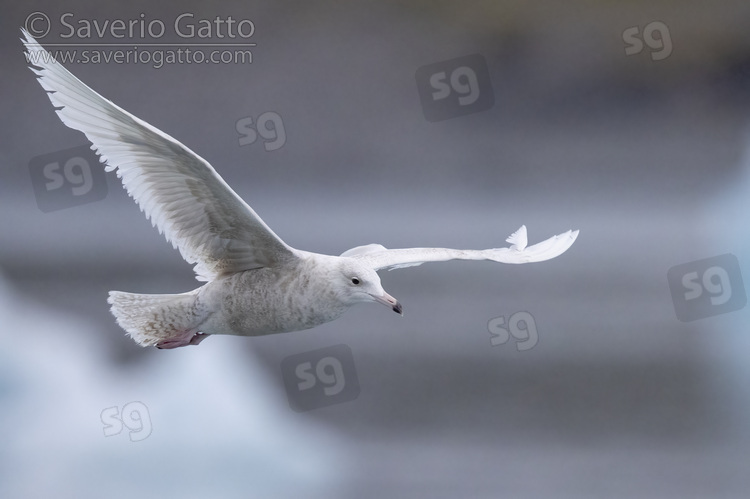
(167,321)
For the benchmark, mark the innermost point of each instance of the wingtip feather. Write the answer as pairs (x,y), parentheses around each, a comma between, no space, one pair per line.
(519,239)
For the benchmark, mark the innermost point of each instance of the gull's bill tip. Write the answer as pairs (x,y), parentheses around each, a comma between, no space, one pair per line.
(398,309)
(390,302)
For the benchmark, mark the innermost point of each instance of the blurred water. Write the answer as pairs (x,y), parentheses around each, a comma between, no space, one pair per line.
(210,422)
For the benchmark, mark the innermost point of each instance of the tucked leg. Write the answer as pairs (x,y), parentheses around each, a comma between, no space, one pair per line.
(183,339)
(195,340)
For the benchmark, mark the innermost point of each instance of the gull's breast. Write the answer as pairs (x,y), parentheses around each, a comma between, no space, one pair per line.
(268,301)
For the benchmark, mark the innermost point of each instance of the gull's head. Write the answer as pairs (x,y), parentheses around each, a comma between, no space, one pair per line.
(362,284)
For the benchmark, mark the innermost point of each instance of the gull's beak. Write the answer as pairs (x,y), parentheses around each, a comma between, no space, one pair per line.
(390,302)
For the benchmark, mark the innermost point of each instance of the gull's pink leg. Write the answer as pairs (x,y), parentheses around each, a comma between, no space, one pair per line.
(182,339)
(195,340)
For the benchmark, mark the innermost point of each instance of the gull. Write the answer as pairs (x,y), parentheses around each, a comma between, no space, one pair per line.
(255,283)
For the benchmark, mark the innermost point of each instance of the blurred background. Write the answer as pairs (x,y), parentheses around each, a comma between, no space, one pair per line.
(627,120)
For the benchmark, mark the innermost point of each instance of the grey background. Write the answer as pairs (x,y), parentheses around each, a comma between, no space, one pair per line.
(618,399)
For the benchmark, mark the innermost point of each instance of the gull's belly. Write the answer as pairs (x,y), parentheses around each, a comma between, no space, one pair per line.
(265,301)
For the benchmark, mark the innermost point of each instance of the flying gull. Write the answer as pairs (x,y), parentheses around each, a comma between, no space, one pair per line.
(255,283)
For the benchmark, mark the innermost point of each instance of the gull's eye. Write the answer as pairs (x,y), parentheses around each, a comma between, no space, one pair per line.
(355,280)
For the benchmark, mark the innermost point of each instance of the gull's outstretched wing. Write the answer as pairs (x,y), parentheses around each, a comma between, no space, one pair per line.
(179,191)
(378,257)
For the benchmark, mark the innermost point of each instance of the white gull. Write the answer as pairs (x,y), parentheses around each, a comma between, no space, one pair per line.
(256,284)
